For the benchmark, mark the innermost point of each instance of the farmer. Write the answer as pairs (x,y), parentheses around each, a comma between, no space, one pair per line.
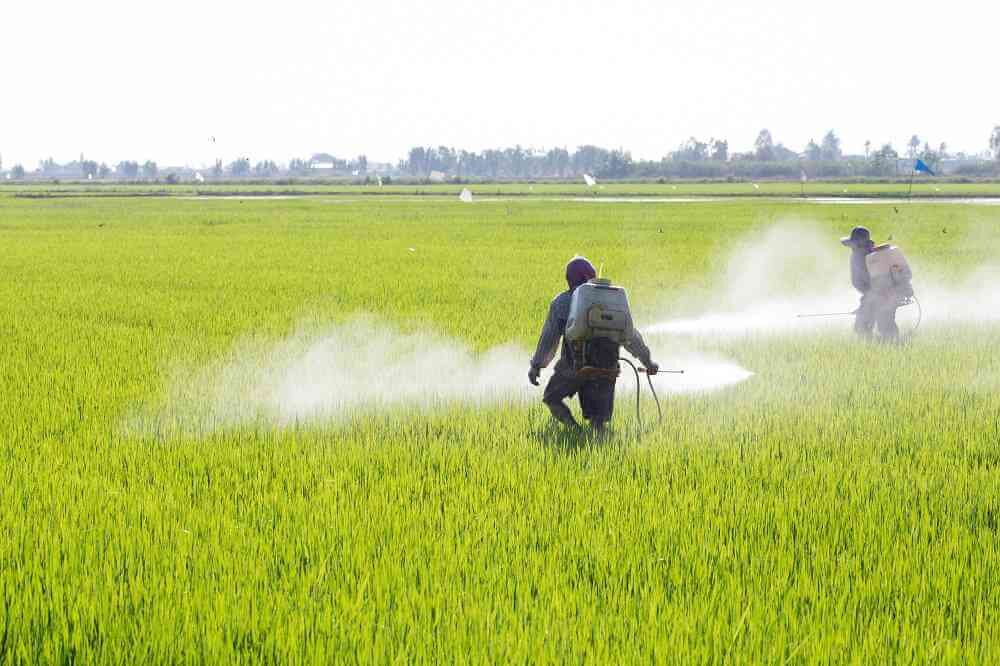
(878,303)
(597,395)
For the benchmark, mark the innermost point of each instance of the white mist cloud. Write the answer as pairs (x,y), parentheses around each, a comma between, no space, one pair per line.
(364,367)
(791,268)
(702,373)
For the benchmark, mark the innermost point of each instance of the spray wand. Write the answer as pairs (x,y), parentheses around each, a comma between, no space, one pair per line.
(903,302)
(827,314)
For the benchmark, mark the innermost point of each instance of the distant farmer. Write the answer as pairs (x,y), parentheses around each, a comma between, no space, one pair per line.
(883,277)
(586,368)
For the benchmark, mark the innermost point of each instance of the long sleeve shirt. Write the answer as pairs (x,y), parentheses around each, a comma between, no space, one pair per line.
(859,271)
(555,327)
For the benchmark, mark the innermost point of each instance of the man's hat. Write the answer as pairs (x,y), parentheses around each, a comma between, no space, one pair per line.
(578,271)
(858,236)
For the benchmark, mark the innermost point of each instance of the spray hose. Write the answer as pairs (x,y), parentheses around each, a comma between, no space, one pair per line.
(649,379)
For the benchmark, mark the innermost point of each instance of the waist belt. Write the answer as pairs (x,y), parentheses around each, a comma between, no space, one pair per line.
(590,372)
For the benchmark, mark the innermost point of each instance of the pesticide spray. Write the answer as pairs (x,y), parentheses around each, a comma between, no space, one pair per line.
(364,366)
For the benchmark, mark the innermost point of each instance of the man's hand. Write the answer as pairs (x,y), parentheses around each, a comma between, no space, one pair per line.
(652,368)
(533,374)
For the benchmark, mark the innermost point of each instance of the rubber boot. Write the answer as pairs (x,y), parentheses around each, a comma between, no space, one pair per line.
(561,413)
(599,427)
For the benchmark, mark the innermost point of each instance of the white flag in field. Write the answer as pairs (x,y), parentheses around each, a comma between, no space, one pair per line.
(466,195)
(379,179)
(200,178)
(590,180)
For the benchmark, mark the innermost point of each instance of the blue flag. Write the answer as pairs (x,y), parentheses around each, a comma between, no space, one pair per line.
(920,166)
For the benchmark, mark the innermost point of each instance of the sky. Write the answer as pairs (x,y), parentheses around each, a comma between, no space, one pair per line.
(115,79)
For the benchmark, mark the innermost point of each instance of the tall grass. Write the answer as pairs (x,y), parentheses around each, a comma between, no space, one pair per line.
(842,505)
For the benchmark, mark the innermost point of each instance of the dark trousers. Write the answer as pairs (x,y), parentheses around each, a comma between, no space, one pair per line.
(597,398)
(878,309)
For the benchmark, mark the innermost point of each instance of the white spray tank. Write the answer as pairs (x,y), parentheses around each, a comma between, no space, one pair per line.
(888,269)
(598,310)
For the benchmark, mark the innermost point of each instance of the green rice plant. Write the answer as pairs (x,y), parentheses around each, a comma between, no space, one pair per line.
(840,505)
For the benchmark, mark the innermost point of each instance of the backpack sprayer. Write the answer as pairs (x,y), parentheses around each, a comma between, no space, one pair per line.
(890,274)
(599,322)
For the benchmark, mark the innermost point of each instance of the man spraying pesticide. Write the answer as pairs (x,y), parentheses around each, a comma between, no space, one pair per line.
(882,276)
(593,319)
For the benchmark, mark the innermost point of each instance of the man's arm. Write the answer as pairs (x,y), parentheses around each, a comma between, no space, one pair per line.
(548,341)
(636,346)
(859,274)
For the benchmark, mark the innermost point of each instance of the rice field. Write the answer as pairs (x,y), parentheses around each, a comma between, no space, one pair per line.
(839,505)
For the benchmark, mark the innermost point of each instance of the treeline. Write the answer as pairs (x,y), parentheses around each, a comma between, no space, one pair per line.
(694,159)
(711,159)
(515,163)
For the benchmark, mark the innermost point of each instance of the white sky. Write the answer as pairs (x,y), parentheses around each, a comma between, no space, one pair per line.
(135,79)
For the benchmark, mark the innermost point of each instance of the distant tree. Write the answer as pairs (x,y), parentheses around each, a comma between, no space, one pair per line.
(557,162)
(297,166)
(887,151)
(868,148)
(323,158)
(995,143)
(617,165)
(492,162)
(47,166)
(943,150)
(929,155)
(781,153)
(17,173)
(89,168)
(691,150)
(590,159)
(446,159)
(830,147)
(515,162)
(217,169)
(764,146)
(103,171)
(362,163)
(128,169)
(240,167)
(465,163)
(813,151)
(416,162)
(172,179)
(884,158)
(149,169)
(914,146)
(720,150)
(265,169)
